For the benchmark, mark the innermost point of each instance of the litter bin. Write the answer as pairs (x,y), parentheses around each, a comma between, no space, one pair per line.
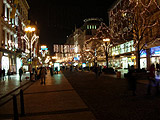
(118,74)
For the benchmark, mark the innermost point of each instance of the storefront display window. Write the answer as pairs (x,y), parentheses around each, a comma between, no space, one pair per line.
(19,64)
(143,63)
(5,63)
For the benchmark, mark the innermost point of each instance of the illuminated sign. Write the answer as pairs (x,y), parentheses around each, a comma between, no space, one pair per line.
(143,53)
(44,47)
(155,51)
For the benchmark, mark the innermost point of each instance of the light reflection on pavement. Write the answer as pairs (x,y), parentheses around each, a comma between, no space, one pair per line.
(9,84)
(58,79)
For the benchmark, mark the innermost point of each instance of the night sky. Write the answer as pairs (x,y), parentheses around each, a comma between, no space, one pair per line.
(57,19)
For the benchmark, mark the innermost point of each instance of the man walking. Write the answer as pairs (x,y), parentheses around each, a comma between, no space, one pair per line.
(43,75)
(20,74)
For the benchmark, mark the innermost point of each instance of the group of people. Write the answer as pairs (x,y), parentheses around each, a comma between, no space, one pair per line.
(132,79)
(98,70)
(36,74)
(53,70)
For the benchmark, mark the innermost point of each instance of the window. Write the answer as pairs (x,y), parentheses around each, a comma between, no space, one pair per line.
(87,26)
(92,26)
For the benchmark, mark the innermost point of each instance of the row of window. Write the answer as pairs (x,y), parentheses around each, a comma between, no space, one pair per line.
(91,27)
(123,48)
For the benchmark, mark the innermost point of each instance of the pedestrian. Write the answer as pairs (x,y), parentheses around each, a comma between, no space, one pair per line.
(100,70)
(20,74)
(157,66)
(3,73)
(151,78)
(51,71)
(36,73)
(43,75)
(132,83)
(63,68)
(9,73)
(56,70)
(0,73)
(96,71)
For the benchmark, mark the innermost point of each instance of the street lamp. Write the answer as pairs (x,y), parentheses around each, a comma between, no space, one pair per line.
(30,38)
(107,44)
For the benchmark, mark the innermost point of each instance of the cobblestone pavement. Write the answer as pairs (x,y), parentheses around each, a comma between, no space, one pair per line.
(110,99)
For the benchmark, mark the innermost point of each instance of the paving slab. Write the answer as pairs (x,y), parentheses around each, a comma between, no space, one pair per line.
(69,116)
(55,99)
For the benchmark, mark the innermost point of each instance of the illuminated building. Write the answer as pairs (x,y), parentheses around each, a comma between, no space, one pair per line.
(14,18)
(72,50)
(124,19)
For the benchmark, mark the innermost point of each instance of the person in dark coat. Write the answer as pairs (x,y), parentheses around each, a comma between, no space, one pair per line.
(56,70)
(51,71)
(132,80)
(3,73)
(43,75)
(20,74)
(152,79)
(0,73)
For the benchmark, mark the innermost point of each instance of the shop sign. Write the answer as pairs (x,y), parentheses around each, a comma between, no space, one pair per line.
(143,53)
(155,51)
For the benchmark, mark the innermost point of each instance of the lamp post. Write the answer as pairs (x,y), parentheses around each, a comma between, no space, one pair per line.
(107,44)
(30,38)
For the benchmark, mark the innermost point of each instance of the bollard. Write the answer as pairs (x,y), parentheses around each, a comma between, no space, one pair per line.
(15,109)
(22,103)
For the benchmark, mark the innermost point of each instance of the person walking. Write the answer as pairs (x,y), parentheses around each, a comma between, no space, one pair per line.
(20,74)
(0,73)
(43,75)
(9,73)
(56,70)
(3,73)
(96,71)
(51,71)
(132,83)
(151,78)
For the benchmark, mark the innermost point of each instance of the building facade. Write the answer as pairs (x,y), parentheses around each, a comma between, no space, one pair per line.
(74,51)
(13,21)
(124,23)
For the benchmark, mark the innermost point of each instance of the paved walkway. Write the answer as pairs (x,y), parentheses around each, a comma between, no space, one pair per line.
(9,84)
(54,100)
(110,99)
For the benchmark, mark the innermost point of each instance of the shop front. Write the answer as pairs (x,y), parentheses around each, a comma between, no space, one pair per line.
(155,55)
(18,63)
(5,62)
(123,62)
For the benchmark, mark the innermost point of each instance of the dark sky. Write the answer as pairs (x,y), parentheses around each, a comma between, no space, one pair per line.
(57,19)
